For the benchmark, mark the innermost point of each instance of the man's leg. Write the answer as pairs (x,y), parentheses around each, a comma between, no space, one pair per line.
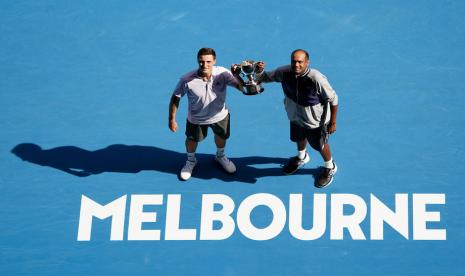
(329,170)
(297,135)
(220,146)
(220,142)
(191,146)
(194,134)
(302,148)
(222,132)
(221,158)
(186,171)
(326,153)
(316,138)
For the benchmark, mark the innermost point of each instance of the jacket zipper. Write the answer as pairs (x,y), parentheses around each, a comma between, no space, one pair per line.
(297,89)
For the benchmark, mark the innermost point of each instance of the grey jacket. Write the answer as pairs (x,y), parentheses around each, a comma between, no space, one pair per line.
(305,95)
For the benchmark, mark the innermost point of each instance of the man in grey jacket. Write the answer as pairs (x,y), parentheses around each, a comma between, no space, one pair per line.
(311,105)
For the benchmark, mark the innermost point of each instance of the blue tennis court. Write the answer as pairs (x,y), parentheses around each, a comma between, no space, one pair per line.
(84,93)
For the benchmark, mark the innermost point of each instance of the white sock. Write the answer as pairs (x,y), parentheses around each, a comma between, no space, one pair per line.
(329,164)
(219,152)
(191,156)
(301,154)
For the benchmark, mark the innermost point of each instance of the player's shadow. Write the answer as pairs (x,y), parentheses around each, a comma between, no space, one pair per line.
(133,159)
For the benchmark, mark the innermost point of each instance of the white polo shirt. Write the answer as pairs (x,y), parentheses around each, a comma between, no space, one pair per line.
(206,99)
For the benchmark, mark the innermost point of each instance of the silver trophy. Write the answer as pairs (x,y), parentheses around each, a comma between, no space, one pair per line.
(250,72)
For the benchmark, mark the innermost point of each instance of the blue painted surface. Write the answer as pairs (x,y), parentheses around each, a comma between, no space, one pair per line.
(90,83)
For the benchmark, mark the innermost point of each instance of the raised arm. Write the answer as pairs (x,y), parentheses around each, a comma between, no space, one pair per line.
(240,82)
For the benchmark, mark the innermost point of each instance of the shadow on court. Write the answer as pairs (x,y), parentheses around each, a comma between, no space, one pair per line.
(133,159)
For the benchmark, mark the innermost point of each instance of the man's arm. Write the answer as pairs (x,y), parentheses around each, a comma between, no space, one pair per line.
(173,108)
(328,93)
(275,75)
(240,82)
(332,121)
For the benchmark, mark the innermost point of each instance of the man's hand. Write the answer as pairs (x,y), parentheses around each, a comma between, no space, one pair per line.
(261,66)
(173,125)
(331,127)
(235,69)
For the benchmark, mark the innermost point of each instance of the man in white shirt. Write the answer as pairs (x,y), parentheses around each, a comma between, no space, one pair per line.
(205,88)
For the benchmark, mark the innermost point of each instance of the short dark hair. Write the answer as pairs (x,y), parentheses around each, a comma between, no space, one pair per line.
(205,52)
(301,50)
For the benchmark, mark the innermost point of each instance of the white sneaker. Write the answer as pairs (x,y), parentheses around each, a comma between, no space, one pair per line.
(227,164)
(186,171)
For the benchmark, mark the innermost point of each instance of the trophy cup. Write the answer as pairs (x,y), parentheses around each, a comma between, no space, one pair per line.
(250,72)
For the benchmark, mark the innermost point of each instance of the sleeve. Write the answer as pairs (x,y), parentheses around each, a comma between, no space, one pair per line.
(230,79)
(273,76)
(180,89)
(327,92)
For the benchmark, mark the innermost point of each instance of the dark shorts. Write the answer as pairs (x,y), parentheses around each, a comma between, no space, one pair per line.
(316,137)
(199,132)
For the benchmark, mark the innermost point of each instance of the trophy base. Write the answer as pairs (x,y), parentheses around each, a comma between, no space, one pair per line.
(253,89)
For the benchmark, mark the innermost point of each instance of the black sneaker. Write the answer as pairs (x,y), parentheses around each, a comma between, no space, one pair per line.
(326,176)
(295,163)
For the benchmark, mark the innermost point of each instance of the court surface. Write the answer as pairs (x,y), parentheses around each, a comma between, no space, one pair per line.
(84,92)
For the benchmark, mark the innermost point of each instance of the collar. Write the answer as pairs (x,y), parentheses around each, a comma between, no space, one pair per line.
(199,75)
(305,73)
